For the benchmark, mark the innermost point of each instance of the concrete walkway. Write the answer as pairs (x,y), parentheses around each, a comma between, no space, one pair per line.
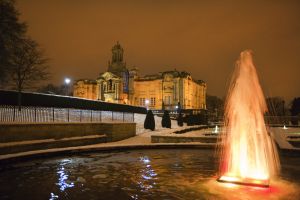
(140,141)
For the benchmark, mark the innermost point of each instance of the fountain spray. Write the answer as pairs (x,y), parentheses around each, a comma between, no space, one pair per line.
(248,155)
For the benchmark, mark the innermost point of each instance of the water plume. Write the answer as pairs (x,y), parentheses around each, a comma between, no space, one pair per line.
(248,154)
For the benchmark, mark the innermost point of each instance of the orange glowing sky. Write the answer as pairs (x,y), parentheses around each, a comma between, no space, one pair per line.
(201,37)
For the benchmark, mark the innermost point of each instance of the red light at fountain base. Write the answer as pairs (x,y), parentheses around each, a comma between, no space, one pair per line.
(244,181)
(248,155)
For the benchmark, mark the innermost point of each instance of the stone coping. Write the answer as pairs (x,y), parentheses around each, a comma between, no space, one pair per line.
(142,141)
(70,151)
(28,142)
(184,136)
(62,123)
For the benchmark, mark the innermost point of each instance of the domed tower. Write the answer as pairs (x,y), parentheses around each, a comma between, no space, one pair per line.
(117,66)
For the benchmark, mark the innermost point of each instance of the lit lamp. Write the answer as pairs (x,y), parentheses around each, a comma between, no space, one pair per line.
(147,103)
(67,82)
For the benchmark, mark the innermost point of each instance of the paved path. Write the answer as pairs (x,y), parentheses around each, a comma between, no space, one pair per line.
(142,140)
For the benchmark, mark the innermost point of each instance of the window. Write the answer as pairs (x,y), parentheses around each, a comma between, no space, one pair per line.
(167,100)
(152,101)
(142,101)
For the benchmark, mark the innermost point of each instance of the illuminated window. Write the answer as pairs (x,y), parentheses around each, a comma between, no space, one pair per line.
(167,100)
(152,101)
(142,101)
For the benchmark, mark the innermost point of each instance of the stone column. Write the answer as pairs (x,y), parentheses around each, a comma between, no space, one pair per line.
(117,91)
(99,90)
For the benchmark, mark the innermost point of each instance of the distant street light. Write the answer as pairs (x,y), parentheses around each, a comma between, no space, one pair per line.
(67,81)
(147,103)
(67,85)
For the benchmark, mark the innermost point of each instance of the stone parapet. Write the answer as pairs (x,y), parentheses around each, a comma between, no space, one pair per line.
(39,131)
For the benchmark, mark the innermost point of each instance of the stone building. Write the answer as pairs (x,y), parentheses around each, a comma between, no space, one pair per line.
(168,90)
(87,89)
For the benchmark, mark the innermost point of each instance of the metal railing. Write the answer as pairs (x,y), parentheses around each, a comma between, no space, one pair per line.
(282,120)
(30,114)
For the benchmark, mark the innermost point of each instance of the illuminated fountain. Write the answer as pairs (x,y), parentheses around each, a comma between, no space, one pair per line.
(248,154)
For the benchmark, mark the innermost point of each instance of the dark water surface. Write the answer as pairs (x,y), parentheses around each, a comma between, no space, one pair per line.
(140,174)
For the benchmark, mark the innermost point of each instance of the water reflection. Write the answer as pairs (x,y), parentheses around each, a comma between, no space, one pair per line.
(53,196)
(144,174)
(148,175)
(145,159)
(63,176)
(279,189)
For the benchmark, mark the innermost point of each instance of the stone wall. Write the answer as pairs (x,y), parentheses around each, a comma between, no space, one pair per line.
(170,90)
(182,139)
(39,131)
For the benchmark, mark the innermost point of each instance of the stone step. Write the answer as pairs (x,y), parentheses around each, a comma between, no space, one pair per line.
(183,139)
(294,142)
(16,147)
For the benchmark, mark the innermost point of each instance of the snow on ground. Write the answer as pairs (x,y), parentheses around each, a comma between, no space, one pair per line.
(280,135)
(196,133)
(159,130)
(140,118)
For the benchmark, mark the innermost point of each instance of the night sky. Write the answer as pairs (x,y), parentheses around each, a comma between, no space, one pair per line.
(201,37)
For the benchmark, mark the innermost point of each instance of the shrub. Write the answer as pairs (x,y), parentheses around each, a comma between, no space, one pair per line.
(199,119)
(190,121)
(180,119)
(149,121)
(166,121)
(203,119)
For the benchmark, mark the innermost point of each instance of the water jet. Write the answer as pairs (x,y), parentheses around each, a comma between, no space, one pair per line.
(248,155)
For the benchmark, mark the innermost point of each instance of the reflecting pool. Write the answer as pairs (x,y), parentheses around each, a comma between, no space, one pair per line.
(140,174)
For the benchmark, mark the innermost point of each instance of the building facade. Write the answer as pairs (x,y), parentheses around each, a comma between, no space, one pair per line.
(165,90)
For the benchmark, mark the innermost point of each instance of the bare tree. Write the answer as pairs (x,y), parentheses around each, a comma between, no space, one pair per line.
(28,66)
(276,106)
(11,29)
